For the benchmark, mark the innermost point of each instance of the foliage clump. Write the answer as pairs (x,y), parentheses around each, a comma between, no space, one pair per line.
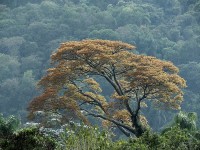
(173,139)
(82,137)
(12,137)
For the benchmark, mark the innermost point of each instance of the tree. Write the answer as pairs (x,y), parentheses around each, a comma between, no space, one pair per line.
(73,84)
(8,126)
(183,120)
(191,72)
(186,120)
(9,67)
(104,34)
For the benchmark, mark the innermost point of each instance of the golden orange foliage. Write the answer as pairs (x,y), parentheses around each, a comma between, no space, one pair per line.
(72,83)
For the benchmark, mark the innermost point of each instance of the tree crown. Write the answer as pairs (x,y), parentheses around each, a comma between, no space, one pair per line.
(82,68)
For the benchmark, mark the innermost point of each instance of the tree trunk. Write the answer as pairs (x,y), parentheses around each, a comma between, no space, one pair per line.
(139,129)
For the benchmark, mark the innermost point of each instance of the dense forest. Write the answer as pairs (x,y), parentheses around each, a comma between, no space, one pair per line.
(31,30)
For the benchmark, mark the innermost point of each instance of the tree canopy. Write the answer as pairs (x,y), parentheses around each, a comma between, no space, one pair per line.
(81,68)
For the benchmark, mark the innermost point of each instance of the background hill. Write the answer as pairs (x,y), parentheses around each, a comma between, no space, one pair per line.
(30,30)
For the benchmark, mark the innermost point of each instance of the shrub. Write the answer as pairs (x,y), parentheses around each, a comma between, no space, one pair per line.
(28,138)
(13,138)
(174,138)
(82,137)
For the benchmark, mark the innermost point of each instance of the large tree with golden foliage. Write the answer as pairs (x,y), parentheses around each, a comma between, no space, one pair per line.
(72,84)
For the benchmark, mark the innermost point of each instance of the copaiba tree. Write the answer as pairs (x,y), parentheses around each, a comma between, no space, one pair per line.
(81,68)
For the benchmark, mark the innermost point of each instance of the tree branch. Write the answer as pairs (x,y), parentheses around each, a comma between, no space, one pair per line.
(115,79)
(112,83)
(124,131)
(94,100)
(140,99)
(113,121)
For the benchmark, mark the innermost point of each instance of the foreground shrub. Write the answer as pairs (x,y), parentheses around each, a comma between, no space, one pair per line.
(28,139)
(75,136)
(14,138)
(173,139)
(8,126)
(82,137)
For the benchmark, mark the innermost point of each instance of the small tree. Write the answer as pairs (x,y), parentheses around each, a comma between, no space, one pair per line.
(73,85)
(8,126)
(185,121)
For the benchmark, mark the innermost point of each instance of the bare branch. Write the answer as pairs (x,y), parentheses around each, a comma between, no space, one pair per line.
(140,99)
(116,81)
(94,100)
(124,131)
(122,125)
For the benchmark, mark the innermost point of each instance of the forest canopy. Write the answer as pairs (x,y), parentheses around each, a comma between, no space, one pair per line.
(31,30)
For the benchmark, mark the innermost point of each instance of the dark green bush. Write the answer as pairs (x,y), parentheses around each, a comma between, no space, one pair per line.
(8,126)
(28,139)
(11,138)
(174,138)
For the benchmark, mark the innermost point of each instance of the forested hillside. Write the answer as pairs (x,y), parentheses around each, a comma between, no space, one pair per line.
(30,30)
